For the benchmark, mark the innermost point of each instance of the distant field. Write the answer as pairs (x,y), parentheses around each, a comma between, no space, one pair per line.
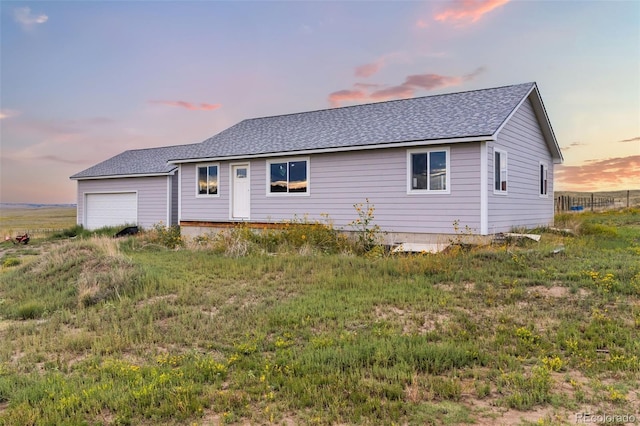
(37,221)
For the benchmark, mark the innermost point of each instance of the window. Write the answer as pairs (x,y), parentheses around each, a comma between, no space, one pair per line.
(544,179)
(288,177)
(500,171)
(207,180)
(429,171)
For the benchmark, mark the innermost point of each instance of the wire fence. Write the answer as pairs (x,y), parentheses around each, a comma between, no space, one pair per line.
(591,202)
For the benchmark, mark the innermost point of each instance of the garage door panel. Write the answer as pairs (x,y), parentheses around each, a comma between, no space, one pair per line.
(111,209)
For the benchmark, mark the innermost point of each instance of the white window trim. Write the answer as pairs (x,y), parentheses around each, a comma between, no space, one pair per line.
(287,160)
(503,155)
(198,195)
(410,152)
(546,171)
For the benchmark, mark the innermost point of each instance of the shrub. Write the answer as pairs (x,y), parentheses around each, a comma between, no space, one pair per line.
(30,310)
(522,392)
(316,234)
(299,235)
(598,229)
(167,236)
(10,261)
(367,233)
(74,231)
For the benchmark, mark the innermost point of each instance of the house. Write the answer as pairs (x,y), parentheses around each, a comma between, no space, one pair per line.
(481,159)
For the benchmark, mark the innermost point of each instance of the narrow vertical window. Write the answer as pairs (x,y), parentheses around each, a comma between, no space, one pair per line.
(438,171)
(544,179)
(279,177)
(500,171)
(419,172)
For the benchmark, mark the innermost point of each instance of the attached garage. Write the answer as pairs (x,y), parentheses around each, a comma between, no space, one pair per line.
(136,187)
(111,209)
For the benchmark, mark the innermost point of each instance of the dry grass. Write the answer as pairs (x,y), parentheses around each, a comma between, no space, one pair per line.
(36,221)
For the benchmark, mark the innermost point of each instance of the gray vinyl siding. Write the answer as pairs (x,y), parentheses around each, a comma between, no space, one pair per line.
(209,208)
(339,180)
(522,206)
(152,196)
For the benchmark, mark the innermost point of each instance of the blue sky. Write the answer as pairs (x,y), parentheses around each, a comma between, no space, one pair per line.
(83,81)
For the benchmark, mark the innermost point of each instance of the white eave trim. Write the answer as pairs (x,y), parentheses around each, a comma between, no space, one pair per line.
(339,149)
(124,176)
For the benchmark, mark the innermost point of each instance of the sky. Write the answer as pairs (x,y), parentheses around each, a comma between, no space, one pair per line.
(82,81)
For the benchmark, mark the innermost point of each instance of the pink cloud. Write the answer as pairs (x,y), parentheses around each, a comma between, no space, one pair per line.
(188,105)
(336,98)
(367,70)
(468,10)
(407,89)
(610,173)
(432,81)
(402,91)
(436,81)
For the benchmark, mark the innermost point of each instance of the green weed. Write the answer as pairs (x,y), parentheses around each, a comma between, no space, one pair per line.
(10,261)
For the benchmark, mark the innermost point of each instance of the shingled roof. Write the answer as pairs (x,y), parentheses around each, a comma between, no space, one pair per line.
(136,162)
(464,115)
(453,117)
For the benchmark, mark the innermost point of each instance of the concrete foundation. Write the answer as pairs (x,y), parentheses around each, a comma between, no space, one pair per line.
(393,239)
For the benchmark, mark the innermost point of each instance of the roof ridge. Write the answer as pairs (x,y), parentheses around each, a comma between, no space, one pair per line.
(160,147)
(386,102)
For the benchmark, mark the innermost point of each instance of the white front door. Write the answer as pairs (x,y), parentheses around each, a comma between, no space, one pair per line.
(241,196)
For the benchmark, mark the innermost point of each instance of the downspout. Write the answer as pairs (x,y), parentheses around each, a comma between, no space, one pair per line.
(484,184)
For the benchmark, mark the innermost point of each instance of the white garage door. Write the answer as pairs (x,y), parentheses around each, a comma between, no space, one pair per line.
(111,209)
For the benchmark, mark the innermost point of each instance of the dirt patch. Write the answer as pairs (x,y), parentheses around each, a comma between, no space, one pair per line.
(412,322)
(490,415)
(466,286)
(556,292)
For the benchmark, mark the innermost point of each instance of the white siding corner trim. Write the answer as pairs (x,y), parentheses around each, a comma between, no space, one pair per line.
(179,193)
(484,189)
(169,200)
